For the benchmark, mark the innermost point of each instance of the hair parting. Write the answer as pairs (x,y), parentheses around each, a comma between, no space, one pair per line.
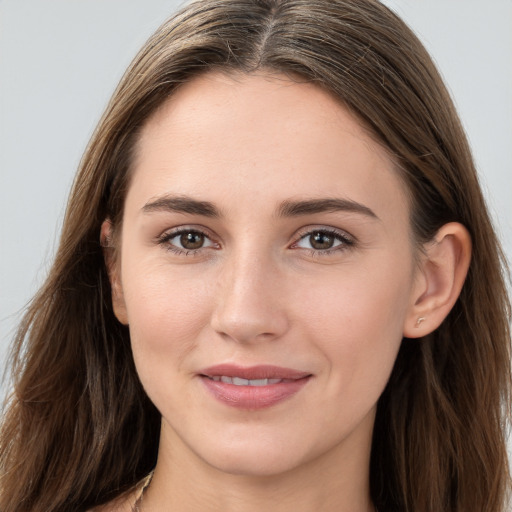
(79,429)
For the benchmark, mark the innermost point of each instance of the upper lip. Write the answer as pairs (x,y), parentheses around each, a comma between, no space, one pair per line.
(263,371)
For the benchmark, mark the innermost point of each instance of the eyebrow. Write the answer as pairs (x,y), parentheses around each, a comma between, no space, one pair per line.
(182,204)
(188,205)
(311,206)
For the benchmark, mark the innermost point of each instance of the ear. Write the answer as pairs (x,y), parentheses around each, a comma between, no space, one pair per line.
(112,262)
(439,280)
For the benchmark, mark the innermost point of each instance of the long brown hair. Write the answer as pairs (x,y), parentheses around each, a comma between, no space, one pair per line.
(79,429)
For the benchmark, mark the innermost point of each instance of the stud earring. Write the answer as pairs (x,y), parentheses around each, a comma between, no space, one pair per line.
(420,319)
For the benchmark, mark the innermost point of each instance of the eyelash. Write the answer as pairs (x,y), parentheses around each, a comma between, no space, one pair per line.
(346,241)
(165,240)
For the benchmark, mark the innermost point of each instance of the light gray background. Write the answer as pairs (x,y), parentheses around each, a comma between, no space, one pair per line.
(61,59)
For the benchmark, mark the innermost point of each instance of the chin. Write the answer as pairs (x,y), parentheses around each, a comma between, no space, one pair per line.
(260,466)
(254,458)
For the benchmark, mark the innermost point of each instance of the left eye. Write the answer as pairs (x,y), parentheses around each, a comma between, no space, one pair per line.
(189,240)
(322,240)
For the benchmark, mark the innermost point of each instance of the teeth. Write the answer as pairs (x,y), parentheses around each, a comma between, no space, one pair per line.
(258,382)
(238,381)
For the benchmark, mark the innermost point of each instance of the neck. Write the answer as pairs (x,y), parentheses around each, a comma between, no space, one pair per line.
(336,481)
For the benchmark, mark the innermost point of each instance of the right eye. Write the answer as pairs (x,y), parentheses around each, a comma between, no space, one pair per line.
(185,241)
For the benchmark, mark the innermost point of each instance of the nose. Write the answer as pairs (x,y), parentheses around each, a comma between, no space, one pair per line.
(251,300)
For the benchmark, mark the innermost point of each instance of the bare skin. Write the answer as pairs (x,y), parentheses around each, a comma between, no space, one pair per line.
(264,226)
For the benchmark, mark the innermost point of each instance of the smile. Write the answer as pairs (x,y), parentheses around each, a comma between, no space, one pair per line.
(253,388)
(238,381)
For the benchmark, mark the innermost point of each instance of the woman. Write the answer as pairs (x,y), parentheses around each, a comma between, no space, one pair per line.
(277,285)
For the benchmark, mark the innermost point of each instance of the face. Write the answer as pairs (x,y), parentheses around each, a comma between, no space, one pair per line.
(265,271)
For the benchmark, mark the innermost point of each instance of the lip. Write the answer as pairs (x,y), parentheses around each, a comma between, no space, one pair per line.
(253,397)
(263,371)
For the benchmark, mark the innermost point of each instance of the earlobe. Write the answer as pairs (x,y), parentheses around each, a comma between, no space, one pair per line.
(113,269)
(442,272)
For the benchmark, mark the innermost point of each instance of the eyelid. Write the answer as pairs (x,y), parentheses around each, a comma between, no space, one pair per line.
(346,238)
(307,230)
(167,235)
(177,230)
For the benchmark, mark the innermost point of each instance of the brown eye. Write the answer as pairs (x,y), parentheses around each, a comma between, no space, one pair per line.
(186,241)
(192,240)
(324,241)
(321,240)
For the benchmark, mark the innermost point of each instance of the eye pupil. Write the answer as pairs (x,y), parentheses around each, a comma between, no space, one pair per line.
(192,240)
(321,240)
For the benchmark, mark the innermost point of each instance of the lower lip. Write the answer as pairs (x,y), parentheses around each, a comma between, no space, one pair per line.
(253,397)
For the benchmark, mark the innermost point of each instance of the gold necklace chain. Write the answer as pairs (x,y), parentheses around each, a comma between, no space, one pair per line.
(138,502)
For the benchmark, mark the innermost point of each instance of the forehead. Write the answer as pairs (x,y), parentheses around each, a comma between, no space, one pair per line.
(224,136)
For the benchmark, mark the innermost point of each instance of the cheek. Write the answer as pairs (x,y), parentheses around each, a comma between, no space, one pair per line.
(166,311)
(356,318)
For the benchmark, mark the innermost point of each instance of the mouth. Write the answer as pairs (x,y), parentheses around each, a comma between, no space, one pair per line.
(253,387)
(239,381)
